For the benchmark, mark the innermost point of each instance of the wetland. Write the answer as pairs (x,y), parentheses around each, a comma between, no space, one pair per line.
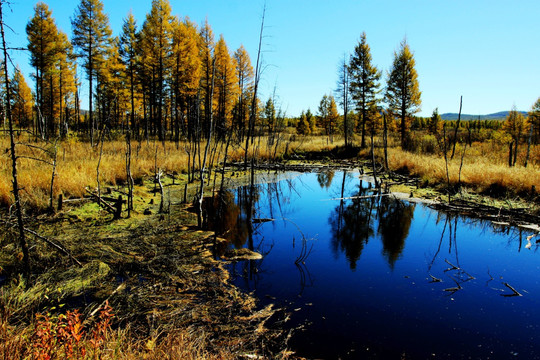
(365,274)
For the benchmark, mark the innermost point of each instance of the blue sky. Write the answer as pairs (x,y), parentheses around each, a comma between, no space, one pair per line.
(487,51)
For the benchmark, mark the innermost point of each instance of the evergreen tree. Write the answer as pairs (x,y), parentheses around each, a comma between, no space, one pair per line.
(91,38)
(435,123)
(270,115)
(364,83)
(311,121)
(302,126)
(402,89)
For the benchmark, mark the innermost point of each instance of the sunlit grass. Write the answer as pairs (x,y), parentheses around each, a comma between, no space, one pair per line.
(485,164)
(479,172)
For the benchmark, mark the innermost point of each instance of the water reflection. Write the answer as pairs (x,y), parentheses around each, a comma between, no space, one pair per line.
(446,286)
(353,225)
(325,178)
(395,218)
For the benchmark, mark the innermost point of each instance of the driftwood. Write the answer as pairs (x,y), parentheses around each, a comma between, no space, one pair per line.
(483,211)
(344,165)
(358,197)
(116,210)
(515,292)
(261,220)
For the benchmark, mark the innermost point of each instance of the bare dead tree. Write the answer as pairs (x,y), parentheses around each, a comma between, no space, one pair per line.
(15,182)
(206,149)
(101,141)
(129,176)
(457,128)
(385,140)
(53,175)
(253,110)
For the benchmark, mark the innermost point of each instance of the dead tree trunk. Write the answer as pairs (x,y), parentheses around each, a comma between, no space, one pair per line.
(253,110)
(385,140)
(510,157)
(457,128)
(529,145)
(102,139)
(54,160)
(18,206)
(129,176)
(162,195)
(373,161)
(206,149)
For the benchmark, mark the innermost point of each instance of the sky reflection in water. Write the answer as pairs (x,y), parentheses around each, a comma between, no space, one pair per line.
(385,277)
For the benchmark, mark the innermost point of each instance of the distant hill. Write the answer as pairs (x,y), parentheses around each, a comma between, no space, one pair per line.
(501,115)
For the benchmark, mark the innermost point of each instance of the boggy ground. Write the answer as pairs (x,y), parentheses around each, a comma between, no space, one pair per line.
(170,298)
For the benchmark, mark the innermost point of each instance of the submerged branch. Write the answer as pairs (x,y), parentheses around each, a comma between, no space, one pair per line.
(515,292)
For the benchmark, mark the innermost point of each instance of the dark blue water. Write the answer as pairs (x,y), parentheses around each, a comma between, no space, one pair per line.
(379,278)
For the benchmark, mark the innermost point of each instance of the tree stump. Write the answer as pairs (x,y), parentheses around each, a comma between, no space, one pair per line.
(60,202)
(118,208)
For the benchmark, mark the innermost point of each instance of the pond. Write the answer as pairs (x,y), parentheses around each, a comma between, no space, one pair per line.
(367,276)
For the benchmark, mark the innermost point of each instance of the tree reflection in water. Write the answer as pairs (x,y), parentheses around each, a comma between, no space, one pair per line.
(324,178)
(395,218)
(354,224)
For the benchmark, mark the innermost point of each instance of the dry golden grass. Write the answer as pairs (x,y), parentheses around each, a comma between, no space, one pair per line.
(76,168)
(77,163)
(479,172)
(485,164)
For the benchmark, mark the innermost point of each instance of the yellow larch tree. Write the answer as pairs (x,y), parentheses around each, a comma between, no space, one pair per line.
(42,35)
(186,76)
(23,101)
(226,86)
(206,51)
(245,73)
(67,82)
(515,126)
(156,45)
(129,57)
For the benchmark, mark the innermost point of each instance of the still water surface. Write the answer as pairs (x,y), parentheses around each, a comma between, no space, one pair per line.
(380,278)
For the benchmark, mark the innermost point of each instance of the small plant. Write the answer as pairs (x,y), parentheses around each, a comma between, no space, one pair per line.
(64,336)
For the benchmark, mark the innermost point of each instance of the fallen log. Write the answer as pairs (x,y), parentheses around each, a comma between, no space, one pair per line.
(100,200)
(51,243)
